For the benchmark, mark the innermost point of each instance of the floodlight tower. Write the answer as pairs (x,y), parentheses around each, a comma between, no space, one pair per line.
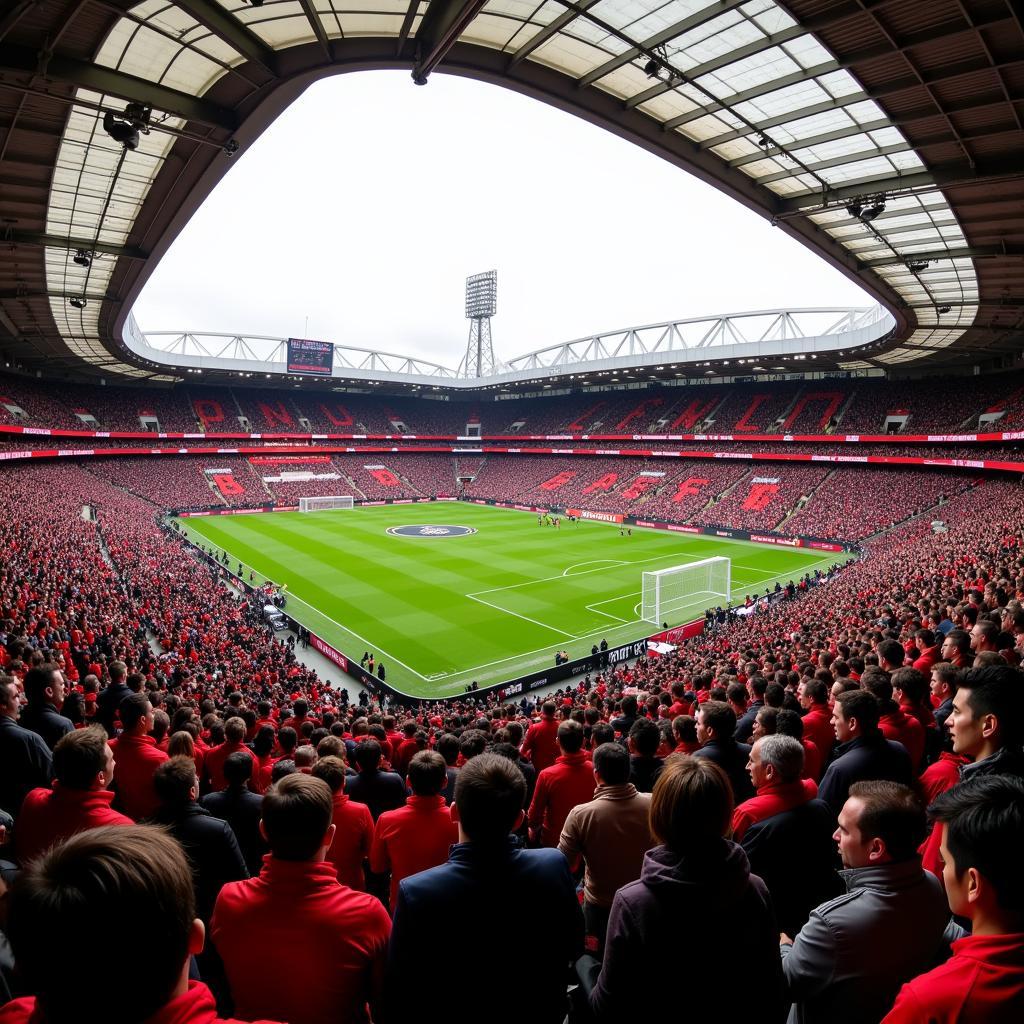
(481,305)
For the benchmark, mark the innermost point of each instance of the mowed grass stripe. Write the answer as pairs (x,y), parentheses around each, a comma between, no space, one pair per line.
(407,596)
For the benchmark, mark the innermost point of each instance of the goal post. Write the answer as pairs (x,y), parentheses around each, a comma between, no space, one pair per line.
(666,591)
(327,504)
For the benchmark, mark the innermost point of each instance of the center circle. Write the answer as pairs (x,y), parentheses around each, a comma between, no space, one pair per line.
(430,531)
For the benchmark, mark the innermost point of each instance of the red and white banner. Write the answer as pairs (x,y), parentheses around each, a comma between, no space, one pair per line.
(328,651)
(601,517)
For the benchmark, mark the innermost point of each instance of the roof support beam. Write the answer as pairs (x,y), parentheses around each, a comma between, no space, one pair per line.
(659,39)
(814,140)
(41,240)
(309,10)
(966,252)
(212,16)
(549,30)
(439,30)
(21,60)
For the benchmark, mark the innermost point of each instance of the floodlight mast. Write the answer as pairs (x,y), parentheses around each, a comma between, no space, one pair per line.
(481,305)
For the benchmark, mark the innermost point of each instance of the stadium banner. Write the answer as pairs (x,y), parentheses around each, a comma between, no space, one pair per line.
(329,652)
(677,634)
(601,517)
(285,460)
(774,539)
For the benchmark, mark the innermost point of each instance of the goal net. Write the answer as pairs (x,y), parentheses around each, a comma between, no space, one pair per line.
(668,591)
(325,504)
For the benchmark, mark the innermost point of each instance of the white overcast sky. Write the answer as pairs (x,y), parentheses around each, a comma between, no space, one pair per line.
(367,203)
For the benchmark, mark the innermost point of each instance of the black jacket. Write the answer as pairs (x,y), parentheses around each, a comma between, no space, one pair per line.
(380,791)
(775,845)
(212,851)
(107,704)
(864,759)
(25,763)
(644,772)
(242,810)
(732,758)
(745,723)
(45,720)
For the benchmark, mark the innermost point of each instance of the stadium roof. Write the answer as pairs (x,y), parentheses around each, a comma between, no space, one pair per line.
(885,134)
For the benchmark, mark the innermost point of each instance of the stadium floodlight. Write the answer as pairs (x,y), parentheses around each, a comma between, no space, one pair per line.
(125,128)
(77,301)
(481,295)
(326,504)
(944,309)
(855,209)
(665,592)
(916,266)
(872,211)
(83,257)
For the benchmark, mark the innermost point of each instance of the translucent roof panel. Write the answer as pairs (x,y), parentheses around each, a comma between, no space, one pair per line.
(740,78)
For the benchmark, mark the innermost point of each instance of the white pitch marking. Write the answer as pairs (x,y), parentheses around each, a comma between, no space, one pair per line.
(593,561)
(526,618)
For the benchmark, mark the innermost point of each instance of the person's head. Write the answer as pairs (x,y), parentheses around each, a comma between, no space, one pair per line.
(909,686)
(982,836)
(984,634)
(715,721)
(765,722)
(181,744)
(136,714)
(944,681)
(367,755)
(300,708)
(238,769)
(82,759)
(448,747)
(44,684)
(611,764)
(569,736)
(305,756)
(855,714)
(175,782)
(296,818)
(789,723)
(127,889)
(118,672)
(890,654)
(811,692)
(692,804)
(548,709)
(332,770)
(10,701)
(880,823)
(956,646)
(775,760)
(287,740)
(234,730)
(644,737)
(629,706)
(988,711)
(285,766)
(489,795)
(428,773)
(684,729)
(331,746)
(472,743)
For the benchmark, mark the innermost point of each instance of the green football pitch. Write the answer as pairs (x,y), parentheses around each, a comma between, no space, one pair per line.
(443,610)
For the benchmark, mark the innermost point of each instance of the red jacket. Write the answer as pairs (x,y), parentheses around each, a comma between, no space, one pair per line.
(906,730)
(352,840)
(214,763)
(137,759)
(812,760)
(568,782)
(540,746)
(328,944)
(50,815)
(929,656)
(412,838)
(818,729)
(771,800)
(196,1006)
(981,983)
(406,751)
(942,775)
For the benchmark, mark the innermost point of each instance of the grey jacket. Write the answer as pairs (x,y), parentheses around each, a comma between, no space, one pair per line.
(848,962)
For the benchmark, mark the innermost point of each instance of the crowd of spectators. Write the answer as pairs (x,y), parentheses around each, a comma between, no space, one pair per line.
(322,858)
(933,406)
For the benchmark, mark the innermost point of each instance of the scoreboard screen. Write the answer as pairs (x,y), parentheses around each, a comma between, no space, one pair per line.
(312,357)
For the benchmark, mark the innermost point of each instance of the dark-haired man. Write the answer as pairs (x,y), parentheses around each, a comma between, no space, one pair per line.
(109,701)
(380,791)
(644,764)
(234,743)
(863,753)
(541,744)
(560,787)
(419,835)
(716,726)
(850,959)
(239,806)
(353,825)
(982,822)
(138,758)
(26,759)
(209,842)
(610,834)
(487,860)
(80,799)
(318,966)
(44,689)
(126,889)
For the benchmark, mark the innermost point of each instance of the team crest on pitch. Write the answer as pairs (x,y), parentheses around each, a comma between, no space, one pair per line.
(430,531)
